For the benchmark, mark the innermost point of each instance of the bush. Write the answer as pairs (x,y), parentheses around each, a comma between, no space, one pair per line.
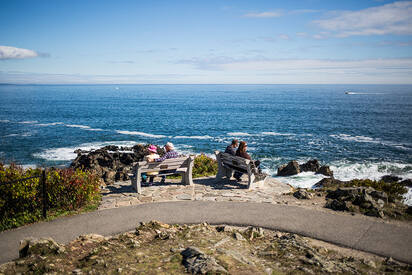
(22,202)
(204,166)
(394,190)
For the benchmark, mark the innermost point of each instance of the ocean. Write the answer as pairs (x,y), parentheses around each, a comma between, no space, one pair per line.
(361,131)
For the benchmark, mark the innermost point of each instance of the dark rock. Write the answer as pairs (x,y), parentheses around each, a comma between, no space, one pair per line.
(325,170)
(310,166)
(391,178)
(337,205)
(328,182)
(345,193)
(292,168)
(374,212)
(379,195)
(409,210)
(302,195)
(196,262)
(407,182)
(39,247)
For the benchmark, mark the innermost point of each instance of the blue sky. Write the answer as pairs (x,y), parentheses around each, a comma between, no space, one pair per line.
(211,41)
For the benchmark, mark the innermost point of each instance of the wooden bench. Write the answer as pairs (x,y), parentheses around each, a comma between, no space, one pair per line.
(227,164)
(181,165)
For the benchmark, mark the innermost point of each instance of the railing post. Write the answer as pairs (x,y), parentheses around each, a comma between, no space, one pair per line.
(44,191)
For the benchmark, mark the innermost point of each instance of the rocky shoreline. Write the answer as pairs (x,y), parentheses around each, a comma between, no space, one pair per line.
(112,163)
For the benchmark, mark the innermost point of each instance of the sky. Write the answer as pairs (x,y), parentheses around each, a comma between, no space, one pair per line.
(205,42)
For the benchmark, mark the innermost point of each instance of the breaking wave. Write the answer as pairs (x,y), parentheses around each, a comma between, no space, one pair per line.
(135,133)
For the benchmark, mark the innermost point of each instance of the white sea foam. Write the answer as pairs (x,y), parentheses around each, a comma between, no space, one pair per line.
(78,126)
(193,137)
(50,124)
(344,170)
(407,198)
(28,122)
(27,134)
(67,153)
(237,134)
(4,120)
(276,134)
(302,180)
(372,140)
(134,133)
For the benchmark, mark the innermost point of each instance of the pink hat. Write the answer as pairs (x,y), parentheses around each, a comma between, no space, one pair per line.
(152,148)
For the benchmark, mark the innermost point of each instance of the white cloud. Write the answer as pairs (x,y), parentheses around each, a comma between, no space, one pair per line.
(284,36)
(265,14)
(7,52)
(393,18)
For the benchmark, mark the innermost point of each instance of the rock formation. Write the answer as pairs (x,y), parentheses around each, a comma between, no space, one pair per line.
(293,168)
(111,163)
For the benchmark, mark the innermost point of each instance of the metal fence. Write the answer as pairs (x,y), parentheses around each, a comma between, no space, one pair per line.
(42,181)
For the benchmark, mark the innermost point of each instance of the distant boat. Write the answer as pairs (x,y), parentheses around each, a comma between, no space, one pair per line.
(349,93)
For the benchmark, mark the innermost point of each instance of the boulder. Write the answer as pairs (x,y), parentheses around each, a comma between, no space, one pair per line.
(328,182)
(197,262)
(310,166)
(39,247)
(337,205)
(302,195)
(292,168)
(325,170)
(109,162)
(407,182)
(390,178)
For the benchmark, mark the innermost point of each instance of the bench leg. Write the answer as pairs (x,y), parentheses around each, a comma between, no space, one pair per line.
(137,181)
(251,180)
(188,175)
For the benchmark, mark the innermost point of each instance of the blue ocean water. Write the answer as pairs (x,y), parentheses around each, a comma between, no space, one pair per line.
(362,133)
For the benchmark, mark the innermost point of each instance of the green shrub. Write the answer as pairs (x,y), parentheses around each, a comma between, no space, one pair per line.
(394,190)
(204,166)
(22,202)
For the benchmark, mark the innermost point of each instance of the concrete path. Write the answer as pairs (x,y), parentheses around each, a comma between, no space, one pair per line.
(360,233)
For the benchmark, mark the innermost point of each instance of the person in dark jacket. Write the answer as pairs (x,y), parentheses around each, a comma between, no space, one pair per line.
(231,149)
(241,152)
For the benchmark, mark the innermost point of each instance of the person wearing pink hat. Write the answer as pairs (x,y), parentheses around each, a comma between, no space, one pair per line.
(150,158)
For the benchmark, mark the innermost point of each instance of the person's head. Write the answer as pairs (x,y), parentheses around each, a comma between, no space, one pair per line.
(242,146)
(152,149)
(234,143)
(169,147)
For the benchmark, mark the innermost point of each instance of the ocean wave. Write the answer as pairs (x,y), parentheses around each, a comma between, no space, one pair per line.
(344,170)
(50,124)
(276,134)
(347,137)
(134,133)
(28,122)
(77,126)
(27,134)
(238,134)
(4,120)
(67,153)
(193,137)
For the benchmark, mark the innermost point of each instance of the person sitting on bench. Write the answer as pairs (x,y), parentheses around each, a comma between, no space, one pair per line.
(170,154)
(150,158)
(241,152)
(231,149)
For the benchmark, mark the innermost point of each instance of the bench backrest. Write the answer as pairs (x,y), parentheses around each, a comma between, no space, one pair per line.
(229,160)
(167,164)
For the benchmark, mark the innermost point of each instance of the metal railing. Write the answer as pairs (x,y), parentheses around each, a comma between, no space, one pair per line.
(42,181)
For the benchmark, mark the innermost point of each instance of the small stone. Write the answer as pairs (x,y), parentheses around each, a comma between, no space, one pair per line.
(185,197)
(370,263)
(77,271)
(119,269)
(238,236)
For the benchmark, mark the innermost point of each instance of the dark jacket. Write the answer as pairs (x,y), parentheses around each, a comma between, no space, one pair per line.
(243,155)
(230,150)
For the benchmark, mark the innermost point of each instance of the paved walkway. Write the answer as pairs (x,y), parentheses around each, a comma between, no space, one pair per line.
(369,235)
